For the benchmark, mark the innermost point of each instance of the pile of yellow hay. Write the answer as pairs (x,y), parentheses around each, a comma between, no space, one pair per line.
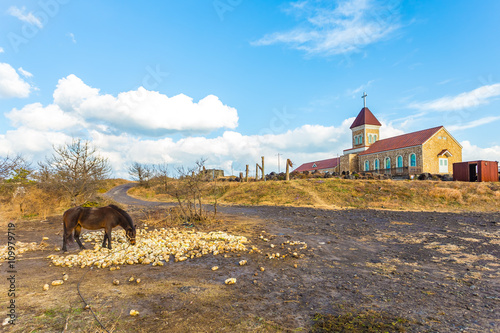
(152,247)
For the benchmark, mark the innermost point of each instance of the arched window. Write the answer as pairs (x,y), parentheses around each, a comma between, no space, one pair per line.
(387,163)
(375,138)
(360,139)
(399,163)
(367,165)
(355,140)
(376,164)
(413,160)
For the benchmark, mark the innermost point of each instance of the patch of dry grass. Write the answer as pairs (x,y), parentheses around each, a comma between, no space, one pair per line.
(340,193)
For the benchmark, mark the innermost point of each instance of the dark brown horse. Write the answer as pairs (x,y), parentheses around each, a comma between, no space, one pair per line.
(96,218)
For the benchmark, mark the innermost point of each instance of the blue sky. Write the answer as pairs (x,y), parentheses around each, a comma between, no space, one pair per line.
(232,80)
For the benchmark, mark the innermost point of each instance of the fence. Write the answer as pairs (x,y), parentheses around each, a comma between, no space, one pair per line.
(402,171)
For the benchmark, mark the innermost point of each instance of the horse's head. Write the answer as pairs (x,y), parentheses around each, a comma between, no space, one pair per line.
(131,235)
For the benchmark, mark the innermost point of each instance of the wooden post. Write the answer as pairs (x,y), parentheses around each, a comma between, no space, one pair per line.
(263,172)
(288,165)
(257,171)
(246,176)
(241,177)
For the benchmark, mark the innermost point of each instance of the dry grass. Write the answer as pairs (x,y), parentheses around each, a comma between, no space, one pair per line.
(339,193)
(33,202)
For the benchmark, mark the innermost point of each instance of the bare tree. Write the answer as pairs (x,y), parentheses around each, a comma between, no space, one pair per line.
(141,173)
(77,168)
(161,175)
(9,164)
(189,193)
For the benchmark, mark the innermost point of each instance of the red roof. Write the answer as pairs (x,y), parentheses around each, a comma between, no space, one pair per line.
(444,151)
(402,141)
(365,117)
(319,165)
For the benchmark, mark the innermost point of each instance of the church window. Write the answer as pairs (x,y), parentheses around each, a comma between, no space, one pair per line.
(367,165)
(314,165)
(375,138)
(387,163)
(355,140)
(360,139)
(399,162)
(413,160)
(376,164)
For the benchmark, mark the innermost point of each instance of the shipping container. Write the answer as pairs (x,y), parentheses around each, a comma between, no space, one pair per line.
(476,171)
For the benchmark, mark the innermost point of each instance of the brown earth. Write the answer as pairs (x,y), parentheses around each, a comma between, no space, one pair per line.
(412,271)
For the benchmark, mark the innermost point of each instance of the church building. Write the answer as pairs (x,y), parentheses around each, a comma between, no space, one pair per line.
(432,150)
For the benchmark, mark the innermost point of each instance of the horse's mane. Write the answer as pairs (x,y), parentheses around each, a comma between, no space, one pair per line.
(124,214)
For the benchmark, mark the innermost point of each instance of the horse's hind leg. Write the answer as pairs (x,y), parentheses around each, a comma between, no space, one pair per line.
(66,237)
(108,234)
(78,229)
(65,241)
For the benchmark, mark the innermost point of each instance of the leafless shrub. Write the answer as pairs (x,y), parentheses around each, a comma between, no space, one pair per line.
(189,193)
(141,173)
(161,178)
(75,168)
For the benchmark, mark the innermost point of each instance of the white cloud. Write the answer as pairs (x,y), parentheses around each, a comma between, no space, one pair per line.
(24,73)
(2,50)
(11,84)
(230,150)
(143,111)
(361,88)
(474,123)
(31,143)
(72,36)
(472,152)
(476,97)
(387,130)
(348,27)
(28,18)
(36,117)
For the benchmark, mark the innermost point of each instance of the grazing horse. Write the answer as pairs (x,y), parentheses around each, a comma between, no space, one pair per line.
(96,218)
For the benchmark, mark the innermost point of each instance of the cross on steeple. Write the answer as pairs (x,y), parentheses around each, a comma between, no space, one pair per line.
(364,98)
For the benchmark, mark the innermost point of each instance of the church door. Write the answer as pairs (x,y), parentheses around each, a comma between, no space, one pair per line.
(443,165)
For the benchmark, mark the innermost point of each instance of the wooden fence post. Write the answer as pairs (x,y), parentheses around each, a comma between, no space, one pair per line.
(288,165)
(246,177)
(263,172)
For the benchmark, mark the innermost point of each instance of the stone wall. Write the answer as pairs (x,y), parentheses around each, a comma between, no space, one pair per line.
(349,162)
(441,140)
(393,155)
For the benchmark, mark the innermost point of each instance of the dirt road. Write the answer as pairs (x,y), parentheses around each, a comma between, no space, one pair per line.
(418,271)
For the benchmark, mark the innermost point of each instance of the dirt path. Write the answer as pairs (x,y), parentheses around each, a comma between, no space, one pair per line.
(428,272)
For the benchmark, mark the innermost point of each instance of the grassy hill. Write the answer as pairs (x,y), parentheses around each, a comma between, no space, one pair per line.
(338,193)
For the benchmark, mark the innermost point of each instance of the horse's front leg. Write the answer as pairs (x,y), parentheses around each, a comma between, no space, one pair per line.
(78,230)
(105,238)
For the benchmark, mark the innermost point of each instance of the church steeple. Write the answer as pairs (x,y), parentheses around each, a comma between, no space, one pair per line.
(365,128)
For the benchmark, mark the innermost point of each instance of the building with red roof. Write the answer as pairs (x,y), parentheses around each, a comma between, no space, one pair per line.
(433,150)
(329,165)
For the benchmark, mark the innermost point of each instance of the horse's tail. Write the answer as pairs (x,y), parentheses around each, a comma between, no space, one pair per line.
(124,214)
